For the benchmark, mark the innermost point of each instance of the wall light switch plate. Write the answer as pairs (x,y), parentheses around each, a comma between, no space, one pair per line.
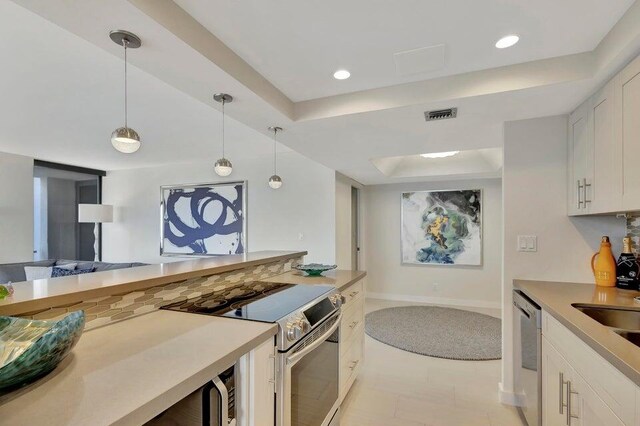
(527,243)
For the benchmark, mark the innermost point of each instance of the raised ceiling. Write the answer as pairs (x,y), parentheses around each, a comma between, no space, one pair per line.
(66,74)
(297,45)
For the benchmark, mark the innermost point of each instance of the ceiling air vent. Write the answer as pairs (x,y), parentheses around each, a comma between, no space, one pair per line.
(441,114)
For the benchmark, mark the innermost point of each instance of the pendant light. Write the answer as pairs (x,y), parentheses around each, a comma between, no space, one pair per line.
(223,166)
(125,139)
(275,181)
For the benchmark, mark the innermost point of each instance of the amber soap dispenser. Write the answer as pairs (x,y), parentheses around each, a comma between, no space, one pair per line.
(603,265)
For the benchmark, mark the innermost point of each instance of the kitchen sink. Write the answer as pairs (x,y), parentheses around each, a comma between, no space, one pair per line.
(620,318)
(633,337)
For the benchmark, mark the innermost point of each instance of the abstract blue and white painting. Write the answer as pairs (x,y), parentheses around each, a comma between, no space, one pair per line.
(442,227)
(204,220)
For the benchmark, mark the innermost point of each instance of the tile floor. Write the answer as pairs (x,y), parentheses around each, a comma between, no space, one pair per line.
(400,388)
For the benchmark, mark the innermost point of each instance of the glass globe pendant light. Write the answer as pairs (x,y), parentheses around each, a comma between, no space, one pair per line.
(275,181)
(223,166)
(125,139)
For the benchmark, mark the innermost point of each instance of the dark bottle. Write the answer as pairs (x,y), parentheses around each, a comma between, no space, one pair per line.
(627,268)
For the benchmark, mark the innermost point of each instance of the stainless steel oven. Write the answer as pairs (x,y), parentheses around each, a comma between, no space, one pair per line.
(308,389)
(308,360)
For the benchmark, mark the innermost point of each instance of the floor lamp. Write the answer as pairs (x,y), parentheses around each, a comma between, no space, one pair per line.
(96,214)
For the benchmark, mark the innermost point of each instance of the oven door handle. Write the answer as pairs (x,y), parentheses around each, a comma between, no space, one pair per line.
(294,358)
(224,402)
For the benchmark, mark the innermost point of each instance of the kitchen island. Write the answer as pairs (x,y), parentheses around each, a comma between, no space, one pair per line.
(127,373)
(133,360)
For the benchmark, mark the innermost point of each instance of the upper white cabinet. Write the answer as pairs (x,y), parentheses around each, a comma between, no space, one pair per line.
(580,159)
(604,142)
(627,126)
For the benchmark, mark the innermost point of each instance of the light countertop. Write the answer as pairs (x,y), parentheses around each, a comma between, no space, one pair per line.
(556,298)
(129,372)
(338,278)
(42,294)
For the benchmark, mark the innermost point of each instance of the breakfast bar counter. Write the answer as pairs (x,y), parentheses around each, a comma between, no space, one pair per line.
(41,294)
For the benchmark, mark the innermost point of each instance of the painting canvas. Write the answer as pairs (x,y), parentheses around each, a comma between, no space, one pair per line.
(204,220)
(442,227)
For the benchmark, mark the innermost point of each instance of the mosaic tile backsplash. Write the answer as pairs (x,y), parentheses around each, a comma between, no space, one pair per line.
(633,230)
(105,310)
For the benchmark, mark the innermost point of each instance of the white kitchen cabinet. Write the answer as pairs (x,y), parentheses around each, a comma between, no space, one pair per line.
(603,148)
(627,127)
(589,409)
(258,386)
(567,397)
(556,373)
(600,394)
(580,159)
(351,336)
(605,192)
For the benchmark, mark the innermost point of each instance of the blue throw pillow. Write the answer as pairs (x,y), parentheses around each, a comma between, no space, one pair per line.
(61,272)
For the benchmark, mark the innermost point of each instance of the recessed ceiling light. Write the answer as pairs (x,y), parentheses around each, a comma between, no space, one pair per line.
(440,154)
(341,75)
(507,41)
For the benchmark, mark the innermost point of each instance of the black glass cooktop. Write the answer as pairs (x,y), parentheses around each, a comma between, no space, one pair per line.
(256,301)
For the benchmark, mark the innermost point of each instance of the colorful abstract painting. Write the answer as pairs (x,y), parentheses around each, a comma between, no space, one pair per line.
(442,227)
(204,220)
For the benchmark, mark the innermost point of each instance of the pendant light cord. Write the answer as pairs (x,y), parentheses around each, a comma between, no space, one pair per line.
(124,43)
(223,126)
(275,135)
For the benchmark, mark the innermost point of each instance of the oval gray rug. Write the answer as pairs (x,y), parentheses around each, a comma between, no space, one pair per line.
(438,332)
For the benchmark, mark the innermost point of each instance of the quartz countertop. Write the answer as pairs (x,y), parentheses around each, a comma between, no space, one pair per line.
(341,279)
(557,298)
(42,294)
(131,371)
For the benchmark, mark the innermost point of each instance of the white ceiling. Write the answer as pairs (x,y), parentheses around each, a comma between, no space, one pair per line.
(62,97)
(62,93)
(297,45)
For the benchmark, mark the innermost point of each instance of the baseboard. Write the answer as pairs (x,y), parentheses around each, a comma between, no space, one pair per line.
(435,300)
(508,397)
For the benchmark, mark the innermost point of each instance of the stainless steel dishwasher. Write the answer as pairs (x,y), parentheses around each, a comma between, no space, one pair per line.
(529,316)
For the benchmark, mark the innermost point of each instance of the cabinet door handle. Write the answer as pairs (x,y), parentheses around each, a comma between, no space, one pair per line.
(354,294)
(353,365)
(561,383)
(585,185)
(353,324)
(569,393)
(579,193)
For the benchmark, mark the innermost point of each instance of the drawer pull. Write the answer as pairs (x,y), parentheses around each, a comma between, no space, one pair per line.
(569,393)
(353,365)
(353,324)
(353,294)
(561,384)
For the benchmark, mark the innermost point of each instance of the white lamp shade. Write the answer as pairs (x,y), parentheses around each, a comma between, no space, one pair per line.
(95,213)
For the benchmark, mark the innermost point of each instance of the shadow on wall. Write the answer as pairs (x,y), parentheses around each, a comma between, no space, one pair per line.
(594,227)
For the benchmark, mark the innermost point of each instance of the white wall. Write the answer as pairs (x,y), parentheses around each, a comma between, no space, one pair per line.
(16,208)
(459,285)
(535,203)
(298,216)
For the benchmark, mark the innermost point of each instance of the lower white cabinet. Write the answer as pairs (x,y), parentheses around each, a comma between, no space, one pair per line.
(256,384)
(579,387)
(351,336)
(567,398)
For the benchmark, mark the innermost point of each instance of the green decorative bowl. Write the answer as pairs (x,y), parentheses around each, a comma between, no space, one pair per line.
(29,349)
(315,269)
